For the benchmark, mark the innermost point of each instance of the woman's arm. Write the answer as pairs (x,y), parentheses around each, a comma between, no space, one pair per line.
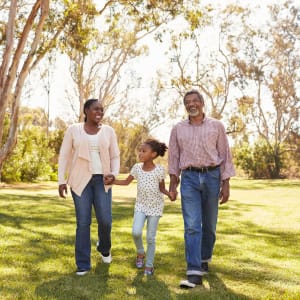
(65,156)
(126,181)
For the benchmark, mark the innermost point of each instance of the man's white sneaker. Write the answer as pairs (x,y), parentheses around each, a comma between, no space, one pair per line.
(186,284)
(106,259)
(81,272)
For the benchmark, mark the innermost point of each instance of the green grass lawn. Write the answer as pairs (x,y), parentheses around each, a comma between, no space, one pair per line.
(257,254)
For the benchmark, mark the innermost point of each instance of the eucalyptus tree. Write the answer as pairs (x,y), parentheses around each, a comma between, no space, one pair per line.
(29,30)
(21,28)
(268,65)
(200,57)
(100,40)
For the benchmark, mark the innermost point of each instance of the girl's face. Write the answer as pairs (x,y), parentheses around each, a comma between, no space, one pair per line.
(95,112)
(146,153)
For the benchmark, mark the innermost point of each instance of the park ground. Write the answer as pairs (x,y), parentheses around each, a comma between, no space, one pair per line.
(256,255)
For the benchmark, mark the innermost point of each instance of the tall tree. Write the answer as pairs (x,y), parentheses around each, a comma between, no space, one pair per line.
(16,63)
(209,69)
(268,63)
(104,39)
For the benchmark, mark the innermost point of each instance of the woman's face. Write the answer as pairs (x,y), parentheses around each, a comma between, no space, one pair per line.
(95,112)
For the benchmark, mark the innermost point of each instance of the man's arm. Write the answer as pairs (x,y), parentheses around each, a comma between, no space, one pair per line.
(173,162)
(225,191)
(174,181)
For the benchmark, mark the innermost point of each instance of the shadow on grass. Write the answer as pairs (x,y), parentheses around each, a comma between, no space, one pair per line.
(45,227)
(213,288)
(22,210)
(91,286)
(149,287)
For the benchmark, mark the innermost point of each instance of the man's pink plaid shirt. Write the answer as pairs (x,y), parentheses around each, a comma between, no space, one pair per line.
(200,145)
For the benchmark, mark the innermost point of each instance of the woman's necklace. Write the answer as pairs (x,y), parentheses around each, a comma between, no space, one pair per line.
(92,129)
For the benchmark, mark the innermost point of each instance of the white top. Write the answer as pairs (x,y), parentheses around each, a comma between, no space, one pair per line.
(149,199)
(95,153)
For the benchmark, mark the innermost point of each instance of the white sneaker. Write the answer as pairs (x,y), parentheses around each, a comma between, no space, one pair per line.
(187,284)
(106,259)
(81,272)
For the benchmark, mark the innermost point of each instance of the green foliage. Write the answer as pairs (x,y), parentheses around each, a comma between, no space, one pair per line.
(261,160)
(5,128)
(130,136)
(35,156)
(29,161)
(292,160)
(79,26)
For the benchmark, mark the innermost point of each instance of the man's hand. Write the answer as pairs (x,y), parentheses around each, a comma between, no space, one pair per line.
(174,181)
(173,195)
(225,191)
(62,190)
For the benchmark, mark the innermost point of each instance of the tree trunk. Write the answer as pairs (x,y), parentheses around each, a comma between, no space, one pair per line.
(12,82)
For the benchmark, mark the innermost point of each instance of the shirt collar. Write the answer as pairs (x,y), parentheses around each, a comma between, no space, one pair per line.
(204,119)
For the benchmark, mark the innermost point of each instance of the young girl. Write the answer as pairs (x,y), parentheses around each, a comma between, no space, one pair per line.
(149,201)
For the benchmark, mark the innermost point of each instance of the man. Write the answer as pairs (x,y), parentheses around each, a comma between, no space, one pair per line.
(199,151)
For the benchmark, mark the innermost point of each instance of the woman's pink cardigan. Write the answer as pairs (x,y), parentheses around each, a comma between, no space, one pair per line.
(74,164)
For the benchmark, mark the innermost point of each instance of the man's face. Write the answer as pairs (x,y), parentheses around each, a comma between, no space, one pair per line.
(193,105)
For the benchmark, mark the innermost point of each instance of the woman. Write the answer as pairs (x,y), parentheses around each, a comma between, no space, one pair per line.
(89,160)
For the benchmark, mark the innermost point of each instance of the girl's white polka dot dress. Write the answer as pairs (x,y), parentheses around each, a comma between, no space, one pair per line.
(149,199)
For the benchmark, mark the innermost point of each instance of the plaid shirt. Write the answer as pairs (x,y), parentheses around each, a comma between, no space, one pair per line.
(200,145)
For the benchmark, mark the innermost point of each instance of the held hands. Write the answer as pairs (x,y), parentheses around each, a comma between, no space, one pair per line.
(173,195)
(62,190)
(108,179)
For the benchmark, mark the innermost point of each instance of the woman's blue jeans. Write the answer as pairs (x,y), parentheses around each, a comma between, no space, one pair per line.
(200,202)
(93,195)
(137,232)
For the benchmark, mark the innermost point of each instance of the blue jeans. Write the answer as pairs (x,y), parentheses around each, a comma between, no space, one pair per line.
(200,202)
(93,195)
(137,232)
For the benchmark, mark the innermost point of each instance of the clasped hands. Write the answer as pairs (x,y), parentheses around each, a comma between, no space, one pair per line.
(63,190)
(108,179)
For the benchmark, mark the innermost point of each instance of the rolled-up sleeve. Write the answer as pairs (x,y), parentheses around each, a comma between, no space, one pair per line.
(174,154)
(114,154)
(65,156)
(227,168)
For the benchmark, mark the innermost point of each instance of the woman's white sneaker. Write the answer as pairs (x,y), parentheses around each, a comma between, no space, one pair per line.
(106,259)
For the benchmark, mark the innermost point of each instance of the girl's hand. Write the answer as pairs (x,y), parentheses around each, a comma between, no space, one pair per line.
(108,179)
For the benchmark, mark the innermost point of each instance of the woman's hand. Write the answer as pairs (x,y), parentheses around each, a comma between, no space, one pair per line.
(62,190)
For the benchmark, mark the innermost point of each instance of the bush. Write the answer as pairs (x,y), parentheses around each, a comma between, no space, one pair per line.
(29,161)
(263,160)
